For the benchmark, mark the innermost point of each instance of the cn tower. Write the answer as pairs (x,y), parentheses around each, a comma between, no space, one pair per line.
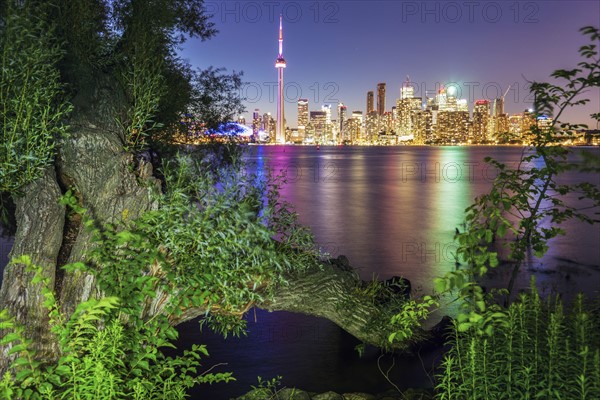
(280,65)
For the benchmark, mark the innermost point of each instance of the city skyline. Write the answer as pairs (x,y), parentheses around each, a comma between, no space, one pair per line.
(461,45)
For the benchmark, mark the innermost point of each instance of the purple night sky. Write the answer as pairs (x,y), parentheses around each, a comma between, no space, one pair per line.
(339,50)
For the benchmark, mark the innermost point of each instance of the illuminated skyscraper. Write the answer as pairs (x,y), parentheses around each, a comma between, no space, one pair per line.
(327,109)
(256,122)
(481,121)
(342,110)
(371,126)
(498,107)
(452,126)
(328,131)
(387,123)
(423,127)
(515,126)
(268,125)
(380,98)
(302,113)
(370,101)
(406,108)
(528,121)
(441,99)
(280,64)
(354,129)
(407,91)
(302,117)
(500,119)
(318,122)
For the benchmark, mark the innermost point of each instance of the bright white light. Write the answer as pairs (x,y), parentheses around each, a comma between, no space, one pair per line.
(451,90)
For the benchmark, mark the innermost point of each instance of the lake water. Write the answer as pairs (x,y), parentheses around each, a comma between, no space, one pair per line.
(391,211)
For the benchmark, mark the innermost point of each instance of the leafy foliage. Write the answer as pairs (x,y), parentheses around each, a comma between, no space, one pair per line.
(216,96)
(530,348)
(412,314)
(538,351)
(511,214)
(32,110)
(208,245)
(145,86)
(101,355)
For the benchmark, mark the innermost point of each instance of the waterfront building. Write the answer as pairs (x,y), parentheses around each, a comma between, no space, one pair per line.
(452,127)
(481,121)
(370,102)
(256,122)
(380,98)
(302,117)
(342,111)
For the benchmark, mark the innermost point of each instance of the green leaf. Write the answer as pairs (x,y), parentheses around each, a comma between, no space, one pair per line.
(463,327)
(10,337)
(439,285)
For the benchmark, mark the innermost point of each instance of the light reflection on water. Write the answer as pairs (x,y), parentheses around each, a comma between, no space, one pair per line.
(391,211)
(394,210)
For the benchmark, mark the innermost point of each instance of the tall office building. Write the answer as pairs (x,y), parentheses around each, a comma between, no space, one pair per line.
(407,91)
(302,117)
(280,64)
(302,113)
(318,123)
(371,126)
(342,111)
(355,127)
(358,115)
(452,126)
(500,119)
(441,99)
(481,121)
(327,109)
(328,131)
(405,114)
(370,101)
(256,122)
(380,98)
(498,106)
(268,125)
(406,108)
(387,123)
(423,127)
(515,126)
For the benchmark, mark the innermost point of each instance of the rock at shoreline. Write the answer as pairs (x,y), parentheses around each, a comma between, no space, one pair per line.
(341,262)
(297,394)
(328,396)
(358,396)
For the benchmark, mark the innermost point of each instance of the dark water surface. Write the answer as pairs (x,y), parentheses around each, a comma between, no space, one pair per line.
(391,211)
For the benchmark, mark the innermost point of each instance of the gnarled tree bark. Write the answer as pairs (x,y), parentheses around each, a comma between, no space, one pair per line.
(91,162)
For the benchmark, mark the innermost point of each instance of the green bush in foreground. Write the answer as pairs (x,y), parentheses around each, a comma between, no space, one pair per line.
(537,351)
(99,357)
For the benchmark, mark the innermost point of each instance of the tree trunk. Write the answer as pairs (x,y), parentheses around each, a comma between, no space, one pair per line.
(91,162)
(39,234)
